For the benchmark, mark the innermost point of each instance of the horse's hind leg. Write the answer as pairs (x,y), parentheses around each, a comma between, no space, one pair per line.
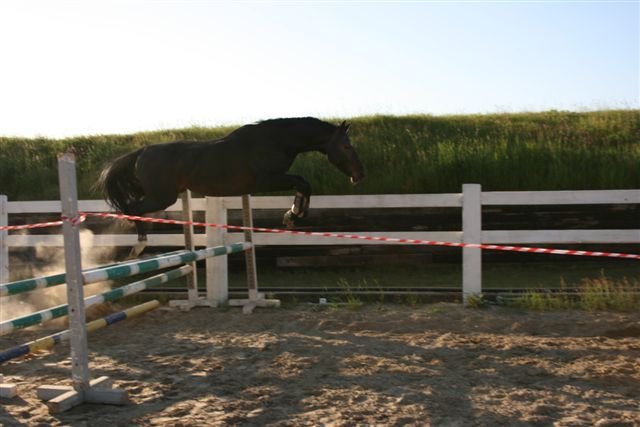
(137,249)
(143,206)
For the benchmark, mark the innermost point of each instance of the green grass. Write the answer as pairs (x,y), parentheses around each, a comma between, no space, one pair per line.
(544,151)
(599,294)
(612,286)
(409,154)
(495,275)
(547,274)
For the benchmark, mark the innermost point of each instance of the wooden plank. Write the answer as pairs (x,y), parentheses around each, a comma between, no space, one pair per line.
(372,201)
(560,236)
(585,197)
(266,239)
(65,401)
(413,260)
(101,240)
(47,206)
(353,202)
(261,239)
(48,392)
(53,206)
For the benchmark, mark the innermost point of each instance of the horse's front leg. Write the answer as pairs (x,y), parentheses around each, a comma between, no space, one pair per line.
(285,182)
(298,209)
(300,204)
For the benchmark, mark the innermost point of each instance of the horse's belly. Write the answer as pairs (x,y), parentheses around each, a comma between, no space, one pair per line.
(222,185)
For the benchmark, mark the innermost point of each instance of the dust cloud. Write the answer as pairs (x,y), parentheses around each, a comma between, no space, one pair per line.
(45,261)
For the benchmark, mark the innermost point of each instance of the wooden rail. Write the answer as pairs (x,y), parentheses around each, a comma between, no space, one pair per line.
(470,201)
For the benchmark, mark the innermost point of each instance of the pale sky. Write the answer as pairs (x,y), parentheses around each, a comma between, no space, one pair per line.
(71,68)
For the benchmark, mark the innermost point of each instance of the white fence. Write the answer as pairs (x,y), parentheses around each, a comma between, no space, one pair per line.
(470,200)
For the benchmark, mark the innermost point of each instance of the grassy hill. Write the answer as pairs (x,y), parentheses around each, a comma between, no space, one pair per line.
(407,154)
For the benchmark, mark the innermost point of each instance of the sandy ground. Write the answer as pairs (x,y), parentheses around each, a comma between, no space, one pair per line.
(394,365)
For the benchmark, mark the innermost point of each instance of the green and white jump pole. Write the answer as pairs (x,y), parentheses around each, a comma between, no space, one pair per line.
(120,270)
(112,295)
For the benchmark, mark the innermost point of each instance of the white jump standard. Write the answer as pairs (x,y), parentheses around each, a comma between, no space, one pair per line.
(100,390)
(217,293)
(256,299)
(84,389)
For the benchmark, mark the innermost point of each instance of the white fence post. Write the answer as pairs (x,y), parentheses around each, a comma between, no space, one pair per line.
(4,248)
(471,233)
(217,267)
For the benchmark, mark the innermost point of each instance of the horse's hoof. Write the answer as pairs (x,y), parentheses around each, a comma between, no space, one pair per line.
(137,249)
(289,219)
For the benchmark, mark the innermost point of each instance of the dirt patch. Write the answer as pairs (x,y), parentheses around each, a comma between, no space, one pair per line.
(392,365)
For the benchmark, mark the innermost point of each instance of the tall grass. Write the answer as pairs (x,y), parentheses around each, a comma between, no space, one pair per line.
(409,154)
(594,294)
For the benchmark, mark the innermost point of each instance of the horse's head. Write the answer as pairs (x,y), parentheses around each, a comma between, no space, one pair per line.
(342,154)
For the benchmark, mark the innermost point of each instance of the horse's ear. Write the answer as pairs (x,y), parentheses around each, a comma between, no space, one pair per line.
(344,126)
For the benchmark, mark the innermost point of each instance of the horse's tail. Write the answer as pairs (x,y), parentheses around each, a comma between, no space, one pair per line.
(118,182)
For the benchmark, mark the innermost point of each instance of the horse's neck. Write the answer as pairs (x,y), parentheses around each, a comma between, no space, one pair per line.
(306,141)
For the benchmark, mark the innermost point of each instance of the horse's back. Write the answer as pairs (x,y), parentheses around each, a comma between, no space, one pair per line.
(229,166)
(213,168)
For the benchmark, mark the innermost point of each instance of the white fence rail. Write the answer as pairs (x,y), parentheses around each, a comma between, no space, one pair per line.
(470,200)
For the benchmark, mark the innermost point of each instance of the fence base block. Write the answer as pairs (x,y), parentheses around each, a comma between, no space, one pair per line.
(7,390)
(248,305)
(63,398)
(186,305)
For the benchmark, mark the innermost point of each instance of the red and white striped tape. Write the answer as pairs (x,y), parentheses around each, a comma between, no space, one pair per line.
(75,221)
(82,216)
(30,226)
(372,238)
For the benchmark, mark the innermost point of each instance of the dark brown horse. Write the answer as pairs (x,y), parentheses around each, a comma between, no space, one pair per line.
(252,159)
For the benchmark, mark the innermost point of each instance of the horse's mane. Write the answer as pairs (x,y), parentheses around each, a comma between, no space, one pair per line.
(302,126)
(287,122)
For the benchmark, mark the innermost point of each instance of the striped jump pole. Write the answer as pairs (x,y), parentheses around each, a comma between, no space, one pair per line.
(112,295)
(46,343)
(27,285)
(121,270)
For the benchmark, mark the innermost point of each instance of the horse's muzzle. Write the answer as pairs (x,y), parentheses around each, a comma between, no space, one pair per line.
(356,178)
